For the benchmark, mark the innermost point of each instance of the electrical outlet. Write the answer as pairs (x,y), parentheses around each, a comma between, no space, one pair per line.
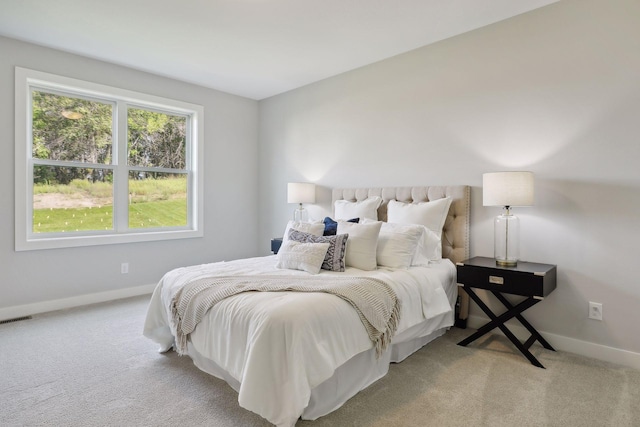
(124,268)
(595,310)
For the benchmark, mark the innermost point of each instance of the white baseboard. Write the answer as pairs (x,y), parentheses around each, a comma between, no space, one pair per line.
(570,345)
(60,304)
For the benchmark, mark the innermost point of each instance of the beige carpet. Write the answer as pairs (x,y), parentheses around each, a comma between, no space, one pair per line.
(91,366)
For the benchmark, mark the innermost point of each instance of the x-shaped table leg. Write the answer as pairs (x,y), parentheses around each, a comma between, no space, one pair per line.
(498,322)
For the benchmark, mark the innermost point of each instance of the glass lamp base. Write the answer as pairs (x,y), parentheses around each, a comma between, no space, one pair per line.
(300,215)
(506,242)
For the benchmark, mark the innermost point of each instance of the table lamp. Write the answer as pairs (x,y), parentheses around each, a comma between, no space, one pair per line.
(301,192)
(507,189)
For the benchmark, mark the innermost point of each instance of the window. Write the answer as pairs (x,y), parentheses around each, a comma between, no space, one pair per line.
(98,165)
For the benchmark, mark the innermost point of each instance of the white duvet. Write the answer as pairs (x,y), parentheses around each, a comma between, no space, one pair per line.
(280,345)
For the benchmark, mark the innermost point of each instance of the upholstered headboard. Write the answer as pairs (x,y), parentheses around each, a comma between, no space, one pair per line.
(455,235)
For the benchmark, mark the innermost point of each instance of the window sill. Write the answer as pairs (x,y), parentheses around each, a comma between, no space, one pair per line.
(105,239)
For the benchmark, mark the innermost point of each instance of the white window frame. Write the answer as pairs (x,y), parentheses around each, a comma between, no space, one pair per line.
(26,239)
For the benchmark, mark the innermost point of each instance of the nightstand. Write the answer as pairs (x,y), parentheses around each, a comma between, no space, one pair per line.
(276,242)
(531,280)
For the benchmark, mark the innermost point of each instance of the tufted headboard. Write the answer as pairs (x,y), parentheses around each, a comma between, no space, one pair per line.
(455,235)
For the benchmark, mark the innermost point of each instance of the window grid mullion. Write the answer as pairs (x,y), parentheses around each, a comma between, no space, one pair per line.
(71,164)
(121,179)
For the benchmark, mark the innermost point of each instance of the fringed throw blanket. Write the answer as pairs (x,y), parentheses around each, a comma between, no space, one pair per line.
(375,302)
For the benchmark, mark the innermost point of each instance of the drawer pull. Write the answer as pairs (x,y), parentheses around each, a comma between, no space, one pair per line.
(496,280)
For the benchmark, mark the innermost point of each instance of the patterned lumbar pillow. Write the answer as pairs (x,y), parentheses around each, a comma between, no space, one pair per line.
(316,228)
(334,258)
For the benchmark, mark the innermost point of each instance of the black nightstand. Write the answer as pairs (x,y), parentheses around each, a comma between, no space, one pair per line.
(531,280)
(276,242)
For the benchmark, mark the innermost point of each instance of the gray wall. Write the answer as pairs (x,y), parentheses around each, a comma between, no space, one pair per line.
(555,91)
(230,137)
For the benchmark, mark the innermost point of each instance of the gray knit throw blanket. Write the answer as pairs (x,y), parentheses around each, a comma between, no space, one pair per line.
(375,302)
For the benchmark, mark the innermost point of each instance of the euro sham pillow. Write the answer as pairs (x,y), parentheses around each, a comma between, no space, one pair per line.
(367,208)
(331,226)
(316,228)
(430,214)
(362,244)
(302,256)
(334,258)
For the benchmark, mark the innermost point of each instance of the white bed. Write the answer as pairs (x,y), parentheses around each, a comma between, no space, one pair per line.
(296,354)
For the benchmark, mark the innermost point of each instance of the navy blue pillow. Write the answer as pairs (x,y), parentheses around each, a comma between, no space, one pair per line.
(331,226)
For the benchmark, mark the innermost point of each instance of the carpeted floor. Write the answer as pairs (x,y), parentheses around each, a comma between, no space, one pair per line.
(91,366)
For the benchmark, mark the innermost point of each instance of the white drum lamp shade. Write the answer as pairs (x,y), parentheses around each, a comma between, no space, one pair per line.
(301,192)
(507,189)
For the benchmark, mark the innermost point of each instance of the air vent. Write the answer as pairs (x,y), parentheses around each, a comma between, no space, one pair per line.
(17,319)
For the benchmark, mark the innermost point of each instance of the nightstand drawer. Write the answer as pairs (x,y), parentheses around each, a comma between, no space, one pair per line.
(510,283)
(527,279)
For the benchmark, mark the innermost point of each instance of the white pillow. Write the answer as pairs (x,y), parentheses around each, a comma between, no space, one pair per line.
(367,208)
(397,244)
(316,228)
(430,214)
(302,256)
(361,245)
(429,248)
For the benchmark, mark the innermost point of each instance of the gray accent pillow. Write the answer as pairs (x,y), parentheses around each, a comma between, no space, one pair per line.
(334,259)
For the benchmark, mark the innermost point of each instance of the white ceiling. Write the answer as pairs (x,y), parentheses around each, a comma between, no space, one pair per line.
(252,48)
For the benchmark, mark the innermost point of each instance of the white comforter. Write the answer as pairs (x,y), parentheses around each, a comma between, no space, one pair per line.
(280,345)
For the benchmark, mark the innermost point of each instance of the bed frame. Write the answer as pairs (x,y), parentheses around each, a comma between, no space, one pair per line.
(455,235)
(367,367)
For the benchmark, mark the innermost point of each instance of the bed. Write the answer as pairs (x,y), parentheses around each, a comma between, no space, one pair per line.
(292,355)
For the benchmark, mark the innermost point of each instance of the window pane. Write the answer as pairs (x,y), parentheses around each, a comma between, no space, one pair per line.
(157,200)
(72,129)
(156,139)
(72,199)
